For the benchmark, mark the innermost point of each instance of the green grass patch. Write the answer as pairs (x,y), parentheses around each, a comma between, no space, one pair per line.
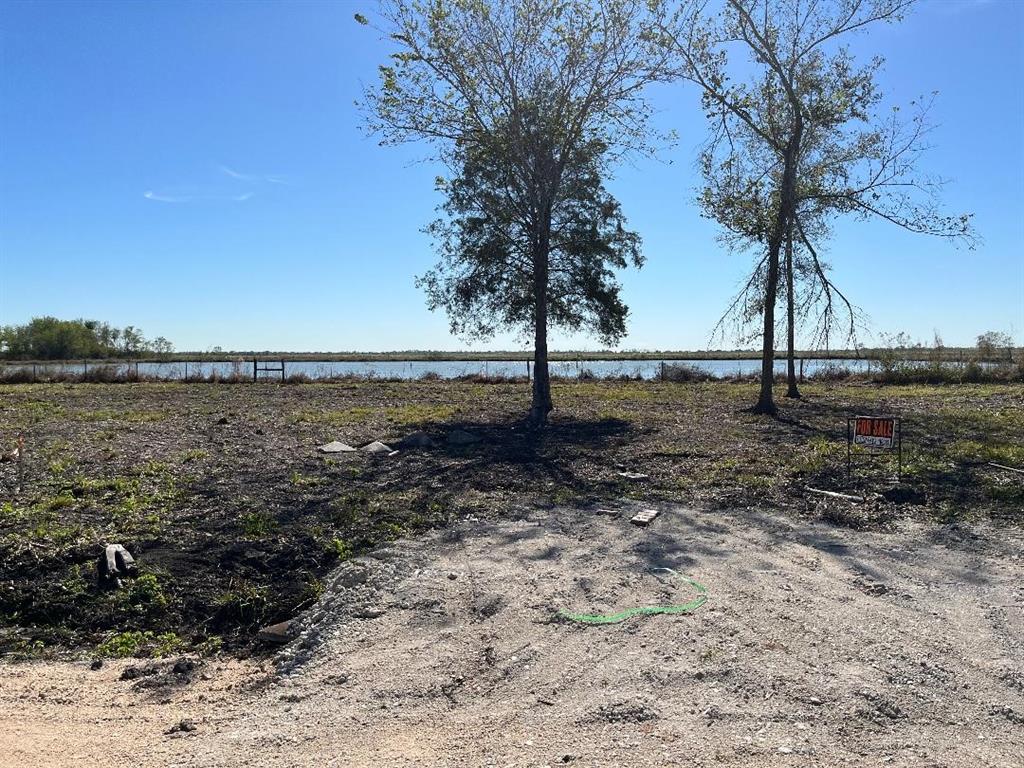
(256,525)
(125,645)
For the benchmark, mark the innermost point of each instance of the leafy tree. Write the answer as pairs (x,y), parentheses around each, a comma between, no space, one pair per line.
(529,103)
(49,338)
(991,343)
(486,276)
(161,346)
(801,141)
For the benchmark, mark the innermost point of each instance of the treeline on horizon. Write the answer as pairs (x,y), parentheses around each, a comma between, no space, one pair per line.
(50,338)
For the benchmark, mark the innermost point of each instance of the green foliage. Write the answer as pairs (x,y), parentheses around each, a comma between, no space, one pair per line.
(48,338)
(300,480)
(147,593)
(493,255)
(995,345)
(256,525)
(530,103)
(245,603)
(193,454)
(134,643)
(339,548)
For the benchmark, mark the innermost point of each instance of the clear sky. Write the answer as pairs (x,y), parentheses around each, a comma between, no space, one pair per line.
(199,170)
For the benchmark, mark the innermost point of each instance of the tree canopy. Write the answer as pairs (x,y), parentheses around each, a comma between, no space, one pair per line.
(529,103)
(485,278)
(49,338)
(801,141)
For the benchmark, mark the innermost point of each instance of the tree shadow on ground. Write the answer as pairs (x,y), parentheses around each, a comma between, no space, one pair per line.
(683,538)
(506,455)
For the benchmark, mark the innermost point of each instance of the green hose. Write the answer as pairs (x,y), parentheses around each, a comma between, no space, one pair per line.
(647,610)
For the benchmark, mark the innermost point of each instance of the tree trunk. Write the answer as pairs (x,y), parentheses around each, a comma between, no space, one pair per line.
(541,404)
(791,388)
(766,401)
(783,222)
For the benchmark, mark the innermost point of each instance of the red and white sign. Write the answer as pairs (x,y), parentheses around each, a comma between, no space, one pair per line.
(875,431)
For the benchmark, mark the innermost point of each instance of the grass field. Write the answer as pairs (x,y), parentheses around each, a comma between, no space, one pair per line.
(235,517)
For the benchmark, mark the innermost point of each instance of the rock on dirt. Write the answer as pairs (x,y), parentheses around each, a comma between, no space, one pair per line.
(336,446)
(182,726)
(644,517)
(142,670)
(376,447)
(633,475)
(276,633)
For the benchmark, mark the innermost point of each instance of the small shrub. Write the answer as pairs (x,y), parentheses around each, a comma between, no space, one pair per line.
(340,549)
(244,604)
(683,373)
(133,643)
(256,525)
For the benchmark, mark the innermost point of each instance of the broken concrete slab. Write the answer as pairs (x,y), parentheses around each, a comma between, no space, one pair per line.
(376,447)
(336,447)
(633,475)
(644,517)
(276,633)
(116,561)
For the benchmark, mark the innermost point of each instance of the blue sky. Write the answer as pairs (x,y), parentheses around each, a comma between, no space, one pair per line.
(199,170)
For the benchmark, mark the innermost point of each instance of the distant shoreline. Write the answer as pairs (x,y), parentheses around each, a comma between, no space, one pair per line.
(947,354)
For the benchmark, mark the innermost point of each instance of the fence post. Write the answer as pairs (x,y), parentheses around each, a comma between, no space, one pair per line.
(33,373)
(801,370)
(528,370)
(662,370)
(254,369)
(282,370)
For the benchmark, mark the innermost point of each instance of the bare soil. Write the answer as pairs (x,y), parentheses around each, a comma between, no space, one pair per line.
(236,520)
(820,645)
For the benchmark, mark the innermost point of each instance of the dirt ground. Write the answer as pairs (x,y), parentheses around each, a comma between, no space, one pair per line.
(236,519)
(820,645)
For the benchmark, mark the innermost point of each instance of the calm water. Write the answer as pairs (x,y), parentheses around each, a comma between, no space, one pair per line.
(447,369)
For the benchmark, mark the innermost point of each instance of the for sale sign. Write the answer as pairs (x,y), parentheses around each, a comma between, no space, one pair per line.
(874,431)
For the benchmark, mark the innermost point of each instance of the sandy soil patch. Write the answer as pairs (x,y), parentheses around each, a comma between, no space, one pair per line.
(818,646)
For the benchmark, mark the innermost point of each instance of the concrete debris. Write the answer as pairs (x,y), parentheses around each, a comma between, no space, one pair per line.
(336,447)
(644,517)
(276,633)
(115,562)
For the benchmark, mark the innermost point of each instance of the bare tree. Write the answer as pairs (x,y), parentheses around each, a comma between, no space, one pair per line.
(801,141)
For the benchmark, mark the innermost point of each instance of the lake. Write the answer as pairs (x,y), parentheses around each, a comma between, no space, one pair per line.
(446,369)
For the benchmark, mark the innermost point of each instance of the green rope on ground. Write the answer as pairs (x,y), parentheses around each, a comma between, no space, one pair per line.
(646,610)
